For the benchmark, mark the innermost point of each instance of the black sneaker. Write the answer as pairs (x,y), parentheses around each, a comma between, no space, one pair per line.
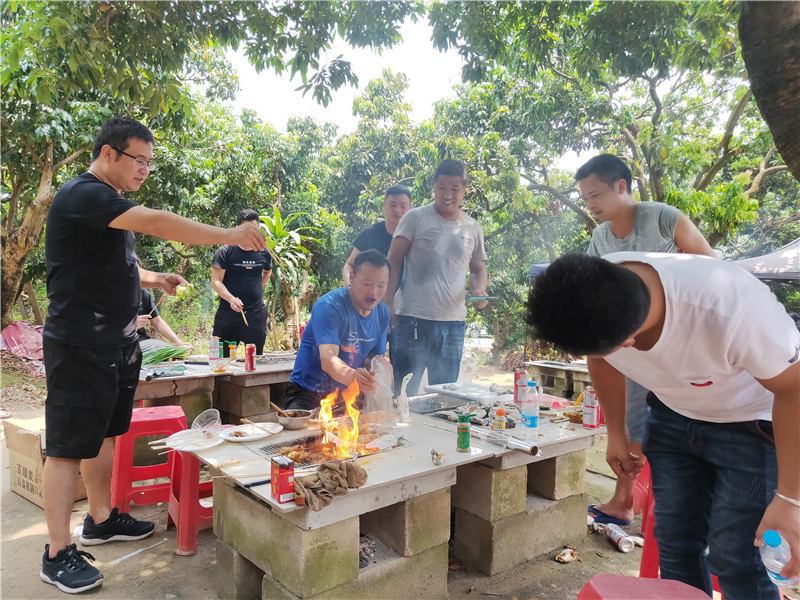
(120,527)
(69,570)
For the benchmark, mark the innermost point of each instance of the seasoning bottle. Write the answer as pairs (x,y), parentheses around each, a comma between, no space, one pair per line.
(499,423)
(463,433)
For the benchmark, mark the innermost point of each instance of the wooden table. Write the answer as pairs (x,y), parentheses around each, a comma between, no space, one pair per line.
(509,508)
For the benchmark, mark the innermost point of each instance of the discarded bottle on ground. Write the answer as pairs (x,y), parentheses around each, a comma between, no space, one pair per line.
(775,553)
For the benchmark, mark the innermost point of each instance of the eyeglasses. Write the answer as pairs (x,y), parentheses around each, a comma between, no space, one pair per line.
(139,163)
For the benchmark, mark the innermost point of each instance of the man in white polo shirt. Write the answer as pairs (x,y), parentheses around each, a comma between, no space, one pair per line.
(722,360)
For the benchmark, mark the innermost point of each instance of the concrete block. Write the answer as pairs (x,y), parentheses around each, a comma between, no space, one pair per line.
(494,546)
(236,577)
(392,577)
(556,392)
(558,477)
(412,526)
(241,400)
(562,384)
(192,404)
(305,562)
(489,493)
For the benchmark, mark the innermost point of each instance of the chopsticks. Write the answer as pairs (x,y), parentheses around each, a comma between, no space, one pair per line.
(279,411)
(256,425)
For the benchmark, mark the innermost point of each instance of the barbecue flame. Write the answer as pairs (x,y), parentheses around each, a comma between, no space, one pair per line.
(348,435)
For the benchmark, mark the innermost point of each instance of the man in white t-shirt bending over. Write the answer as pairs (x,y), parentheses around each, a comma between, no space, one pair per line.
(722,360)
(440,246)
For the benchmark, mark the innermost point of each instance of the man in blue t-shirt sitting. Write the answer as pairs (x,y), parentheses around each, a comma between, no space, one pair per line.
(348,326)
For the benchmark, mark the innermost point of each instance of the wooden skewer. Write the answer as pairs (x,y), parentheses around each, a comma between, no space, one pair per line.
(245,318)
(280,412)
(199,434)
(256,425)
(225,365)
(156,306)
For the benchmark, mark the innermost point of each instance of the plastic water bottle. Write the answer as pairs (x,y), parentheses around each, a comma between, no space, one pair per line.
(530,412)
(775,553)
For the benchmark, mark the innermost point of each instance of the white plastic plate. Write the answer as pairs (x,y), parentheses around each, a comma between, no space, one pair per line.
(253,433)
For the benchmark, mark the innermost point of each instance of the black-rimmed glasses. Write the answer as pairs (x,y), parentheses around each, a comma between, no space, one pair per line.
(139,163)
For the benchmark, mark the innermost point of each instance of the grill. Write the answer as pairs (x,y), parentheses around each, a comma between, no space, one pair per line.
(313,444)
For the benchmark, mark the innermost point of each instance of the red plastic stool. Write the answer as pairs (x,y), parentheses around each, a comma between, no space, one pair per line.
(622,587)
(185,509)
(155,420)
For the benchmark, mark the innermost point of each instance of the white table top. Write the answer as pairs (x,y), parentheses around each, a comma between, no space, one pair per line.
(234,369)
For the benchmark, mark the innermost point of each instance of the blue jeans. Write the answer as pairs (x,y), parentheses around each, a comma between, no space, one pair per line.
(437,345)
(712,483)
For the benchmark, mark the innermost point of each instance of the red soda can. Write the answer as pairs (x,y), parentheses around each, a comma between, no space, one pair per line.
(250,357)
(591,409)
(520,385)
(619,538)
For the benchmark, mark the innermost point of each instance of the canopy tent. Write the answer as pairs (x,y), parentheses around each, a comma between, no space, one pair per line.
(537,270)
(783,264)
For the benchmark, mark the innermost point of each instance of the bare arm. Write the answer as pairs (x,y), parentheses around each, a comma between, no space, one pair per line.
(169,226)
(781,515)
(217,275)
(689,239)
(339,371)
(609,384)
(265,275)
(347,269)
(397,253)
(163,328)
(478,280)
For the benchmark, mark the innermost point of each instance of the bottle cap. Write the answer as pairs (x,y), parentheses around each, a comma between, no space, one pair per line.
(772,538)
(464,418)
(531,384)
(500,412)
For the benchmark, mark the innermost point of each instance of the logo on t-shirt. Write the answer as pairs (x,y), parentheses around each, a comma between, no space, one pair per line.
(351,345)
(796,356)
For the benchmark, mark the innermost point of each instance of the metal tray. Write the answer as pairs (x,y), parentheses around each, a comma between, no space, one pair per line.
(430,403)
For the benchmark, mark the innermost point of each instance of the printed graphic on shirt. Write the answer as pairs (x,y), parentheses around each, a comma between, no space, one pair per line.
(795,357)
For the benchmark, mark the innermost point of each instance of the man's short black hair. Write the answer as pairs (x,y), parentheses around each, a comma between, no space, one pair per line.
(608,168)
(398,190)
(118,131)
(587,305)
(245,215)
(452,168)
(372,257)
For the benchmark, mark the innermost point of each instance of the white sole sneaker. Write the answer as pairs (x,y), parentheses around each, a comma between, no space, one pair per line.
(116,538)
(67,590)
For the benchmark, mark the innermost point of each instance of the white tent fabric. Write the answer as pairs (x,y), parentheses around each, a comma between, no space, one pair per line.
(784,263)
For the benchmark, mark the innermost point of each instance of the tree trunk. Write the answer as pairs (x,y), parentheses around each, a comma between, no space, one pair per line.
(770,36)
(500,335)
(289,306)
(17,243)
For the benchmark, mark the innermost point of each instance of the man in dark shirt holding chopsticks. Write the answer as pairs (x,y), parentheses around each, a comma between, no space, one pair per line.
(239,278)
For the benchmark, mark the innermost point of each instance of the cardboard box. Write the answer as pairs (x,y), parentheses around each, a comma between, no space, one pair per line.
(26,442)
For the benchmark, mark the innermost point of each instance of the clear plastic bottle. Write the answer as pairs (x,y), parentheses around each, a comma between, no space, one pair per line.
(530,413)
(775,553)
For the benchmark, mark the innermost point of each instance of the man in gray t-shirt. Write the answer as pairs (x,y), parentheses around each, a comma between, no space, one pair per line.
(628,226)
(440,246)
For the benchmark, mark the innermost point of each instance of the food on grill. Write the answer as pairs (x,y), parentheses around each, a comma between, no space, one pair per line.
(297,453)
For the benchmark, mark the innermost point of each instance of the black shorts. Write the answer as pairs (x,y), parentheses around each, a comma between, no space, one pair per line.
(229,327)
(296,397)
(89,396)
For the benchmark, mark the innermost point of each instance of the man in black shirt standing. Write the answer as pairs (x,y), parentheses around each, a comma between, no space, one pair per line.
(239,277)
(396,203)
(91,350)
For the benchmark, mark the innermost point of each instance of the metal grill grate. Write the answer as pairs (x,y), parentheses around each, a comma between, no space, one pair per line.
(313,445)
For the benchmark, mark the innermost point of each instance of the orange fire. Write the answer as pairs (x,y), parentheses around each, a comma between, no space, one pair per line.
(348,435)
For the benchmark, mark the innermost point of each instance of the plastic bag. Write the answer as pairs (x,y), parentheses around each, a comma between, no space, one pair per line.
(380,399)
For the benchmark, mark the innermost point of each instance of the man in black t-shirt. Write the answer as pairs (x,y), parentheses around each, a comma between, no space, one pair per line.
(239,277)
(91,350)
(149,316)
(396,203)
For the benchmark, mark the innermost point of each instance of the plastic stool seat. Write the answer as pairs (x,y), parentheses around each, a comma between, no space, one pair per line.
(185,510)
(622,587)
(155,420)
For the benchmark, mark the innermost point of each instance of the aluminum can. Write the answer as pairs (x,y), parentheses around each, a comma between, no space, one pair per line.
(250,357)
(619,538)
(214,349)
(591,409)
(520,385)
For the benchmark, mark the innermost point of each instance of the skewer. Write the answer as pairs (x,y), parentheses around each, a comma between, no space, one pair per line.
(222,368)
(256,425)
(156,306)
(245,318)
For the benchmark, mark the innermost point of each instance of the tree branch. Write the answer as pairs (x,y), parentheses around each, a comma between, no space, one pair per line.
(179,253)
(641,182)
(706,176)
(72,157)
(590,222)
(25,142)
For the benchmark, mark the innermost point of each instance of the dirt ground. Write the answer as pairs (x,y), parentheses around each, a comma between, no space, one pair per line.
(158,573)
